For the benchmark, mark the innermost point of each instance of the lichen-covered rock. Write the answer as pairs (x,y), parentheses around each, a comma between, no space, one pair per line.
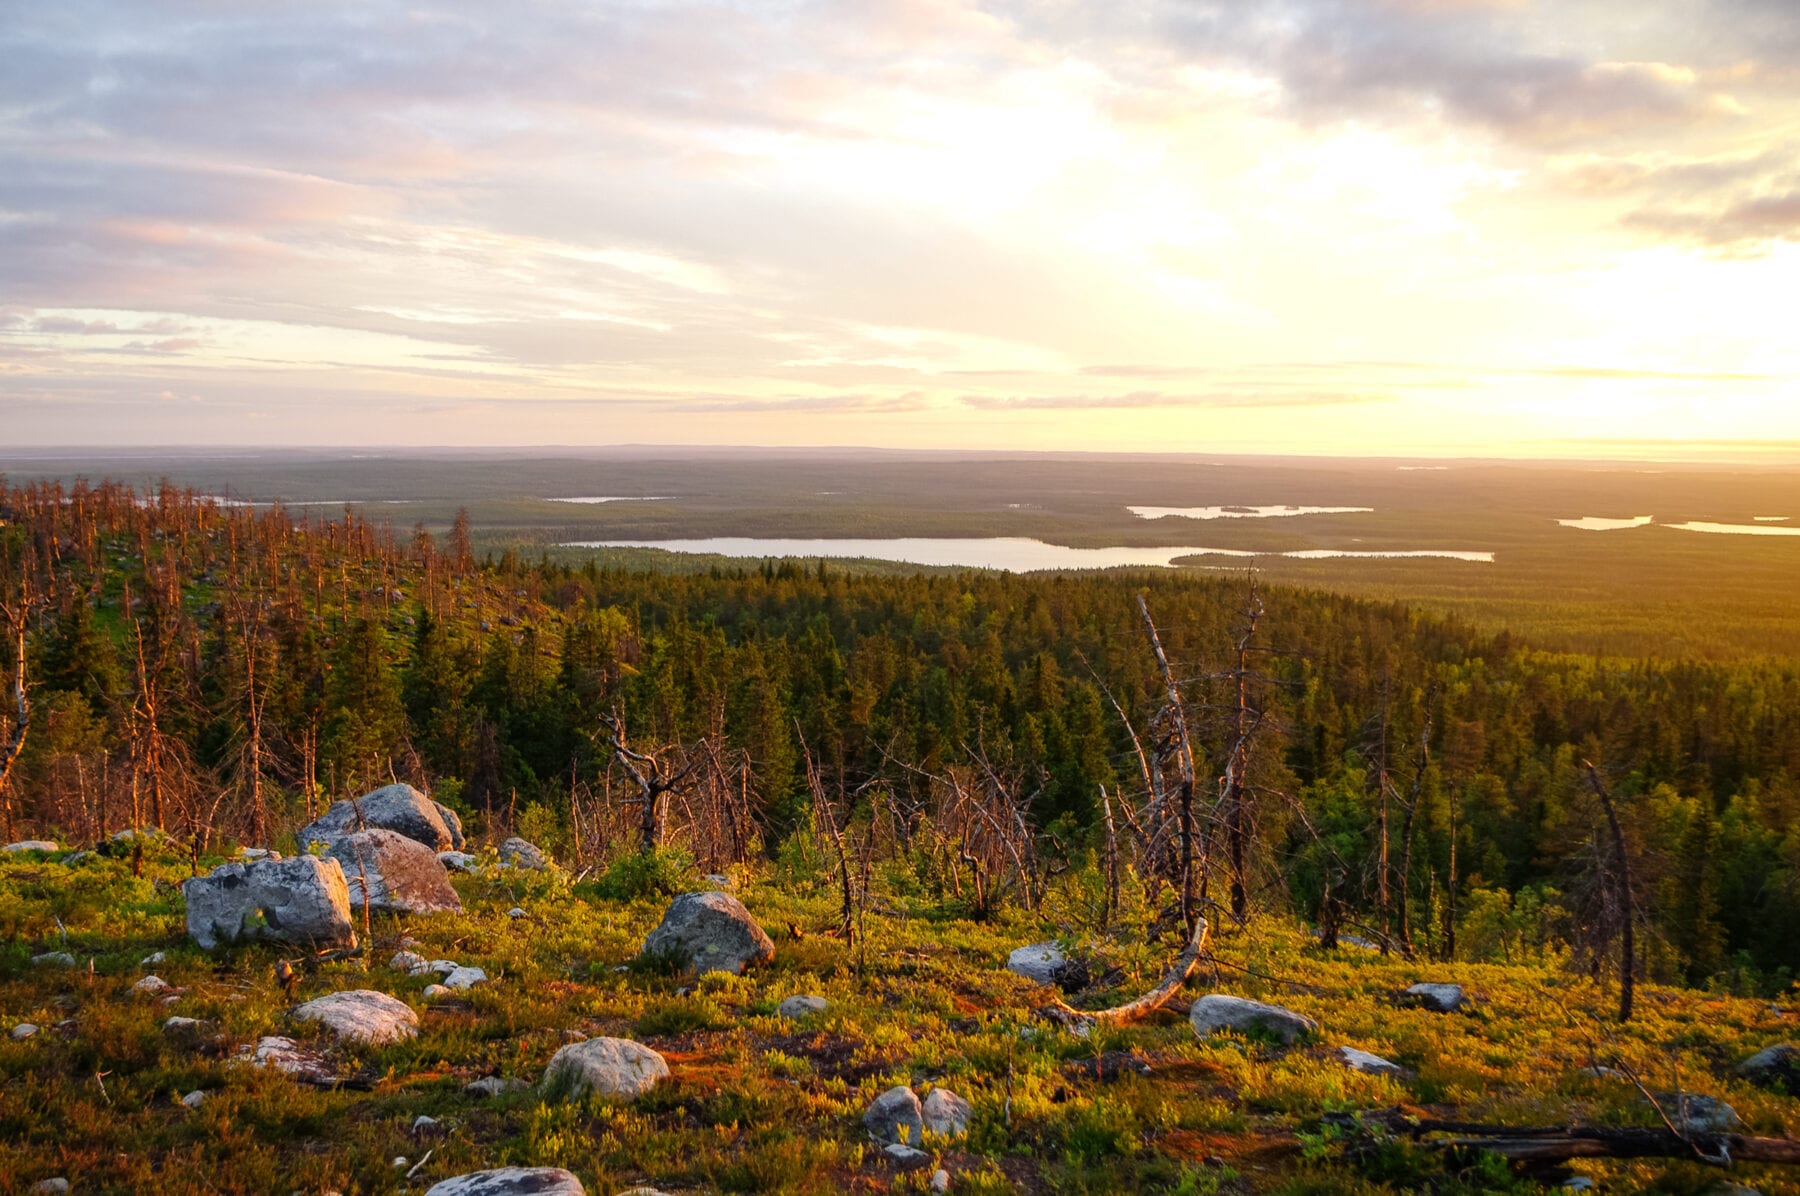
(519,853)
(405,876)
(459,861)
(398,808)
(1216,1011)
(1363,1061)
(895,1116)
(290,1059)
(511,1181)
(29,845)
(1045,963)
(609,1066)
(945,1113)
(464,978)
(152,986)
(302,900)
(1439,998)
(362,1015)
(710,932)
(1775,1067)
(801,1006)
(453,824)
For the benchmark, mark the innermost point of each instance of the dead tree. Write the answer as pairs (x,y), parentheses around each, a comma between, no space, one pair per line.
(1184,757)
(652,778)
(823,809)
(1236,783)
(1081,1022)
(16,616)
(1621,887)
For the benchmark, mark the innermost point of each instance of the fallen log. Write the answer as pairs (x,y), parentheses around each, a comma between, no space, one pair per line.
(1555,1144)
(1081,1022)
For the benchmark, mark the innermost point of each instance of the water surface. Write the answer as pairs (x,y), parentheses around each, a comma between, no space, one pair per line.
(1241,512)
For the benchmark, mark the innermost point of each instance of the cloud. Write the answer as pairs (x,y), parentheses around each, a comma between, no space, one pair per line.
(1747,225)
(1151,398)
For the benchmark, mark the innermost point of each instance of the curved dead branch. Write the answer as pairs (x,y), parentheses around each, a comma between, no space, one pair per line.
(1081,1022)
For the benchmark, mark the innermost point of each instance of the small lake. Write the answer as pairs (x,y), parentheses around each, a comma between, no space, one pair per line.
(1241,512)
(1012,554)
(1736,529)
(600,498)
(1597,523)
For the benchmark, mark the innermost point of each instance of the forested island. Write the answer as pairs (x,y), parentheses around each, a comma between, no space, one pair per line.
(905,778)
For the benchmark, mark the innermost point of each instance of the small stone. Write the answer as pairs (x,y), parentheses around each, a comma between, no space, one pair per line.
(616,1067)
(494,1086)
(29,845)
(151,986)
(61,959)
(906,1157)
(895,1116)
(152,959)
(442,967)
(285,1056)
(407,961)
(463,979)
(799,1007)
(1696,1114)
(945,1113)
(717,880)
(424,1125)
(362,1015)
(194,1099)
(511,1181)
(188,1029)
(1363,1061)
(459,861)
(1577,1183)
(400,1160)
(22,1031)
(46,1187)
(434,991)
(515,912)
(940,1181)
(1438,998)
(258,853)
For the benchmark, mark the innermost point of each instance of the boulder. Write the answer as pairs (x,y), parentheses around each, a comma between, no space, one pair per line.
(362,1015)
(1215,1012)
(29,845)
(22,1031)
(799,1007)
(302,900)
(518,853)
(515,912)
(945,1113)
(1045,963)
(710,932)
(453,824)
(194,1099)
(609,1066)
(1696,1114)
(511,1181)
(1363,1061)
(895,1116)
(398,808)
(410,962)
(1775,1067)
(404,875)
(61,959)
(49,1187)
(907,1158)
(1438,998)
(463,979)
(152,986)
(459,861)
(434,991)
(187,1030)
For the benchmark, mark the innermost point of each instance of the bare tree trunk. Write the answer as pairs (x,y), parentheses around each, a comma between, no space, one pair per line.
(1622,878)
(16,617)
(1185,759)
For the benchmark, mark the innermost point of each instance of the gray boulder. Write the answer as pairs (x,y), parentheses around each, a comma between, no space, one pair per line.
(494,1086)
(1215,1012)
(362,1015)
(453,824)
(301,900)
(945,1113)
(609,1066)
(392,807)
(1363,1061)
(290,1059)
(511,1181)
(404,875)
(907,1158)
(1775,1067)
(29,845)
(519,853)
(1040,963)
(460,861)
(1696,1114)
(895,1116)
(464,978)
(1439,998)
(799,1007)
(710,932)
(22,1031)
(61,959)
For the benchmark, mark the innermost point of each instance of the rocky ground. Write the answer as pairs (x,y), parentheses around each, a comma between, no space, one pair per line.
(499,1028)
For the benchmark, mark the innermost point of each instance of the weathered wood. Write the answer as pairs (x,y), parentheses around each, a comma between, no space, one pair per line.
(1082,1021)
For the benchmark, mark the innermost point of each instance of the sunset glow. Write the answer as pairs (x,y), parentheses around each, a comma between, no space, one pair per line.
(1387,227)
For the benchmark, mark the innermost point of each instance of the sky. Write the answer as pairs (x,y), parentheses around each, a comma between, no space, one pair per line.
(1385,227)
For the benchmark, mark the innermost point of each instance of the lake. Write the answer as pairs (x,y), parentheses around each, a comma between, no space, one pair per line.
(1012,554)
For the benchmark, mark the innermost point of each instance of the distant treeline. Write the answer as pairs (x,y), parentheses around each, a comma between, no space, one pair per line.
(218,671)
